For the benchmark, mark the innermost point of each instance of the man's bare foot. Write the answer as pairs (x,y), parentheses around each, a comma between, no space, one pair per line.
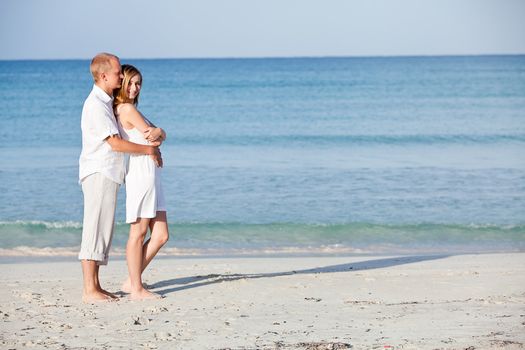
(144,294)
(95,297)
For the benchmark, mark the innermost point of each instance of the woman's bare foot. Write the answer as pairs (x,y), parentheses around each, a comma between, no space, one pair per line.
(95,297)
(126,286)
(144,294)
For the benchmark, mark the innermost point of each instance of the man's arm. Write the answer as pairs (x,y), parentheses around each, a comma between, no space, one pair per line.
(119,145)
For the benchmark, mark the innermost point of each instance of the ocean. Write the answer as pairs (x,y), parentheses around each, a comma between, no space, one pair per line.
(285,155)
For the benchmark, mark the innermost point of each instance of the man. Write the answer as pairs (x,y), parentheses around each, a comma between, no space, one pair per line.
(101,172)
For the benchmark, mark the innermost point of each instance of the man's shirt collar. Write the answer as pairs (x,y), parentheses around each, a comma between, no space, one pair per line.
(101,94)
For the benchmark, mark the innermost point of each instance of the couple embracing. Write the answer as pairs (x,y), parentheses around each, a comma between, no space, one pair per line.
(112,126)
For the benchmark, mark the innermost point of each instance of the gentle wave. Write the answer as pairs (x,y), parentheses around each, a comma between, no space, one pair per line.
(48,238)
(42,224)
(348,139)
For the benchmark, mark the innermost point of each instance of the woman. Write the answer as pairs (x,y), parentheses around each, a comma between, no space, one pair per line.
(145,206)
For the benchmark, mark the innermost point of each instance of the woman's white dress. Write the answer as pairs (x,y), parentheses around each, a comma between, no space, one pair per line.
(144,195)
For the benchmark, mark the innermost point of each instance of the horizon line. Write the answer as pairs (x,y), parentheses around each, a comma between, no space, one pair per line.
(274,57)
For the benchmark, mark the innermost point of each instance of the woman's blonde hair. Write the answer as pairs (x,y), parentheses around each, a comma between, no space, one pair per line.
(121,94)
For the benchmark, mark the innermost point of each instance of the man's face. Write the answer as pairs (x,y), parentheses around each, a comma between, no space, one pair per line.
(113,77)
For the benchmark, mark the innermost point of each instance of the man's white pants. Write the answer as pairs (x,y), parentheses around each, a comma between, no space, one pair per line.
(100,202)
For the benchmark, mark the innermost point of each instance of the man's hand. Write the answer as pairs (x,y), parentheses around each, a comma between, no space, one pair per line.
(156,156)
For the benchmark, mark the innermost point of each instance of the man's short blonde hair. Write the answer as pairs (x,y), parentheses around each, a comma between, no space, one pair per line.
(101,63)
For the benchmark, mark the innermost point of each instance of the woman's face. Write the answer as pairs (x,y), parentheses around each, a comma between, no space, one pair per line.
(134,86)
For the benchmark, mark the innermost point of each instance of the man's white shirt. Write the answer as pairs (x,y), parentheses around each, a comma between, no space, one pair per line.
(98,122)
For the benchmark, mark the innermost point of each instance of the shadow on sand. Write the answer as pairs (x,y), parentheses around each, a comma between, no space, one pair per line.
(200,281)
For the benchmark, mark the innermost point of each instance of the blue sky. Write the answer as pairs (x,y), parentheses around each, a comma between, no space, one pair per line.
(34,29)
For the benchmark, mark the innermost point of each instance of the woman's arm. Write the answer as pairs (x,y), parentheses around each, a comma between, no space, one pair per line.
(153,134)
(130,117)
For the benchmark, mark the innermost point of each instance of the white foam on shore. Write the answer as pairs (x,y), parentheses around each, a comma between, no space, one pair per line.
(324,250)
(46,224)
(25,251)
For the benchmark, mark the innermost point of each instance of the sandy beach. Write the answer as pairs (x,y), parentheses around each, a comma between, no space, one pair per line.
(360,302)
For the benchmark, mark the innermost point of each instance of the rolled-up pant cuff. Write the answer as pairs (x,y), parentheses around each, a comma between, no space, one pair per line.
(100,258)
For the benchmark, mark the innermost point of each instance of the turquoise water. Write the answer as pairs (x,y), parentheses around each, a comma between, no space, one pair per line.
(347,154)
(35,238)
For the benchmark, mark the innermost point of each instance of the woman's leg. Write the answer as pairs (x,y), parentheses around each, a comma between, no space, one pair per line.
(159,236)
(137,232)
